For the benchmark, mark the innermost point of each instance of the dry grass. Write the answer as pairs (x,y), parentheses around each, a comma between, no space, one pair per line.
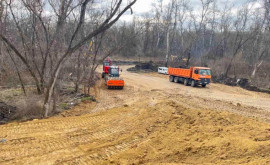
(29,107)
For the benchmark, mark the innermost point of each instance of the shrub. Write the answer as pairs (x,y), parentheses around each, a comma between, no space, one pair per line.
(30,107)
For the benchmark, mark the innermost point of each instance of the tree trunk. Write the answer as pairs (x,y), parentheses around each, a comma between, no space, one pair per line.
(158,40)
(18,73)
(168,48)
(256,67)
(188,59)
(54,101)
(48,95)
(228,68)
(77,83)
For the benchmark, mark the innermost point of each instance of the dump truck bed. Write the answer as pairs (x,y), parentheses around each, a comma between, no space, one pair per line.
(181,72)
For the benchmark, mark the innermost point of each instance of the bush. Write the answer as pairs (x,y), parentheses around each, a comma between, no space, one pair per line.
(6,112)
(88,98)
(30,107)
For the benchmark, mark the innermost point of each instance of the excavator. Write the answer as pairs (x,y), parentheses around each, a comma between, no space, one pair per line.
(113,79)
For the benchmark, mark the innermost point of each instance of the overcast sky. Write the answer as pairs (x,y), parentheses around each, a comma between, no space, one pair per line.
(142,7)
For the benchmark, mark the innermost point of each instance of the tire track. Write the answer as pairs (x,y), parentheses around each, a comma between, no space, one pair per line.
(23,150)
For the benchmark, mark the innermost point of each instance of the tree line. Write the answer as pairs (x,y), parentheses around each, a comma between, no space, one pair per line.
(217,34)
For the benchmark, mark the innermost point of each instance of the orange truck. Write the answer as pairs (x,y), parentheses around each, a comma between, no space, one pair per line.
(193,76)
(113,79)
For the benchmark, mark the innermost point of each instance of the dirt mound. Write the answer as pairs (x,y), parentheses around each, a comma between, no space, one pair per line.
(196,137)
(246,84)
(242,82)
(225,80)
(6,112)
(171,124)
(144,67)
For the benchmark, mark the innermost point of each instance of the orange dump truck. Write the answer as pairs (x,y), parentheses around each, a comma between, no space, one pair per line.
(193,76)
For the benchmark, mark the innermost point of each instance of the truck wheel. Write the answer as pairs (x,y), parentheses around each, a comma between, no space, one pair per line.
(193,83)
(103,75)
(186,82)
(175,79)
(203,85)
(171,78)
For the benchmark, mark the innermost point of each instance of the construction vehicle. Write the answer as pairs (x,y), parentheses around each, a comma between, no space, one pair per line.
(106,65)
(193,76)
(113,80)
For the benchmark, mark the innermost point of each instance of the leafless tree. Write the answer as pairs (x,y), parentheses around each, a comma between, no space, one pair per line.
(55,43)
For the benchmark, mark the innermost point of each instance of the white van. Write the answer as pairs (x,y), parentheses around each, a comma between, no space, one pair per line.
(163,70)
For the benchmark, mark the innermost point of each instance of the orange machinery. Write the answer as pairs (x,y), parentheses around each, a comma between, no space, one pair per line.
(113,79)
(193,75)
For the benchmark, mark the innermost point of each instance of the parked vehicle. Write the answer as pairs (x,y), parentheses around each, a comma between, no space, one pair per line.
(163,70)
(192,76)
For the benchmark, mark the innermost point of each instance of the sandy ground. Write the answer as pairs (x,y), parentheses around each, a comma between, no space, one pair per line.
(151,121)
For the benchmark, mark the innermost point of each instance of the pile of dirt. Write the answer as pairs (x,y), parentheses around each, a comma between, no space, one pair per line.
(161,123)
(193,136)
(224,80)
(119,62)
(6,112)
(246,84)
(144,67)
(242,82)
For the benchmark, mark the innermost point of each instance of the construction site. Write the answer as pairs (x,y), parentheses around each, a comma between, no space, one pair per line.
(131,82)
(150,121)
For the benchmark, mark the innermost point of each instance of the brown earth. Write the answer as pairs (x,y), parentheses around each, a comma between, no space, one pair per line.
(151,121)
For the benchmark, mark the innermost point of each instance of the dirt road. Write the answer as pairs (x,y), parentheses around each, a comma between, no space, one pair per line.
(216,96)
(151,121)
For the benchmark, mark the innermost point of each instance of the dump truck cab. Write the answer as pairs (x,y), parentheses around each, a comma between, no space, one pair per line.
(201,75)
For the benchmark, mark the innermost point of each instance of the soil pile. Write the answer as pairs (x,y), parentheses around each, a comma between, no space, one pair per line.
(154,129)
(242,82)
(193,136)
(162,122)
(144,67)
(6,112)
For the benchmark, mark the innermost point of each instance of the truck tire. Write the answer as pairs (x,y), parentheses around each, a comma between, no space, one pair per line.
(193,83)
(171,78)
(175,79)
(103,75)
(203,85)
(186,82)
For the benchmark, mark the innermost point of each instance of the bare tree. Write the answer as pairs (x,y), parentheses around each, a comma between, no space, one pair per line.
(108,22)
(240,37)
(55,44)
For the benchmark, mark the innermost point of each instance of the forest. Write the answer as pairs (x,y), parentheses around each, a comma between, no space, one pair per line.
(46,45)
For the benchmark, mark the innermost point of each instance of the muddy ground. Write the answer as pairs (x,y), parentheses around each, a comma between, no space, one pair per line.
(151,121)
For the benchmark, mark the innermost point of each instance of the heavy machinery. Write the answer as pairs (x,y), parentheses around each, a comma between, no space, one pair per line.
(192,76)
(113,80)
(106,65)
